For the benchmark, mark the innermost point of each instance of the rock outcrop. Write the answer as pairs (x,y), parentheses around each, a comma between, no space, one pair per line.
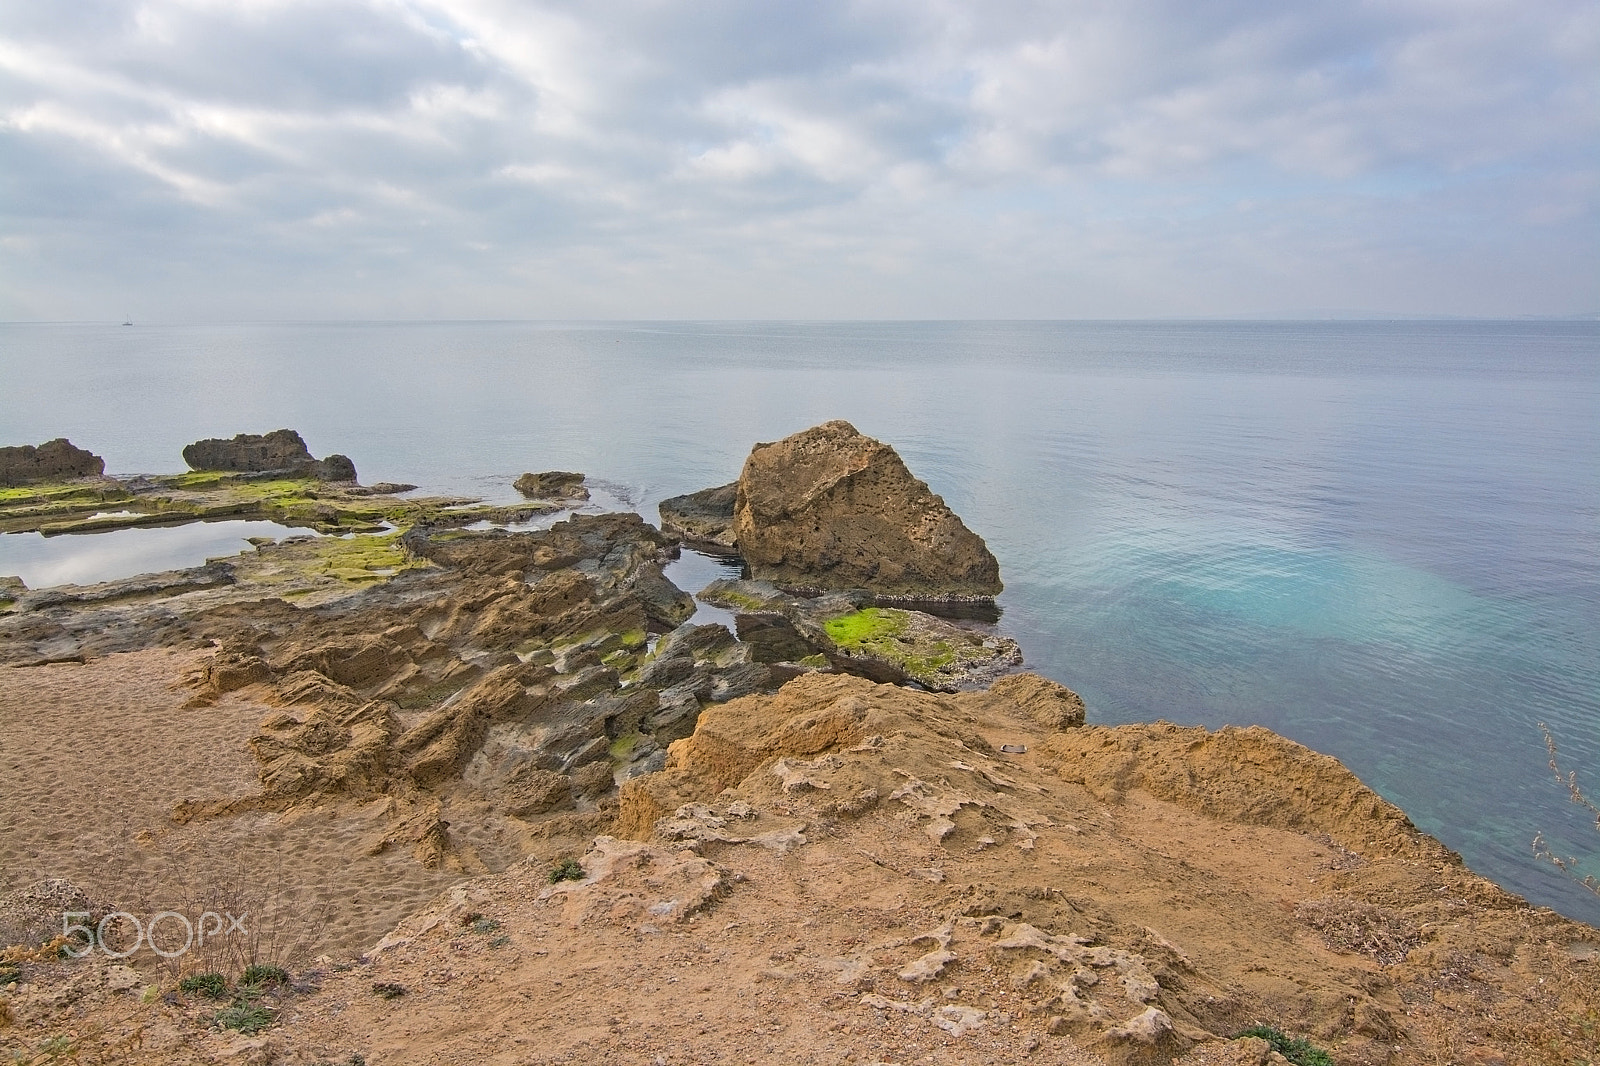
(1049,703)
(281,450)
(705,516)
(843,632)
(56,460)
(514,671)
(830,508)
(552,485)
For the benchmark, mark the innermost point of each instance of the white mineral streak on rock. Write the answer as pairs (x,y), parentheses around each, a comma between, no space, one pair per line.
(796,776)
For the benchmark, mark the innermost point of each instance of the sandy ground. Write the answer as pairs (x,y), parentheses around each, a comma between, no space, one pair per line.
(95,758)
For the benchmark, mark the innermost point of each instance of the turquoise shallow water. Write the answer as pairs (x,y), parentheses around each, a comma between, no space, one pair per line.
(1381,539)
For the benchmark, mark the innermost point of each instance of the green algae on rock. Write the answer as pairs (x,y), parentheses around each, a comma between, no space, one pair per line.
(174,499)
(848,632)
(936,654)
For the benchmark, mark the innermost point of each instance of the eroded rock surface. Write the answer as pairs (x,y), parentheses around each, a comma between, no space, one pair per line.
(1050,703)
(514,672)
(56,460)
(281,450)
(830,508)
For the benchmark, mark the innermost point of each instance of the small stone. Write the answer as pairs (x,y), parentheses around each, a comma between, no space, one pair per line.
(122,978)
(1056,1026)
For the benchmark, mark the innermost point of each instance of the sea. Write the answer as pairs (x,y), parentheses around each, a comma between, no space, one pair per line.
(1381,539)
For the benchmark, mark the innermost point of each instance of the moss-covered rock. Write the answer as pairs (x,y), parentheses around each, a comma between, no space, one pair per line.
(880,641)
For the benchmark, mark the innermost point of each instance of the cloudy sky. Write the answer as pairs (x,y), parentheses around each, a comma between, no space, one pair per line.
(187,160)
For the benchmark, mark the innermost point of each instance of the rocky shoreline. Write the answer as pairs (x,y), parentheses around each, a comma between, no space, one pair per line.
(483,703)
(420,662)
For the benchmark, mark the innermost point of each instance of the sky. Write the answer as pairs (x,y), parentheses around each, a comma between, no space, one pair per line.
(220,160)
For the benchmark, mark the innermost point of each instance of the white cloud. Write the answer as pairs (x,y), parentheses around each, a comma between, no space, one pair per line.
(855,158)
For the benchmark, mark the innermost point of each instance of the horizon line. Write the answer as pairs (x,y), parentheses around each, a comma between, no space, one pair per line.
(1301,317)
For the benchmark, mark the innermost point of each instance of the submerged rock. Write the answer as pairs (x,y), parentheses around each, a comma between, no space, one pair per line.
(56,460)
(281,450)
(552,485)
(829,508)
(705,516)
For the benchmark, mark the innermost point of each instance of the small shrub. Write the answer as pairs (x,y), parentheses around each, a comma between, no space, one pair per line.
(264,975)
(247,1018)
(388,989)
(499,941)
(566,870)
(484,926)
(59,1048)
(1296,1049)
(9,972)
(213,985)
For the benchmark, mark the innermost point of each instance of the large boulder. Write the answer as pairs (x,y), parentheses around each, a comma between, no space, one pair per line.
(258,453)
(56,460)
(830,508)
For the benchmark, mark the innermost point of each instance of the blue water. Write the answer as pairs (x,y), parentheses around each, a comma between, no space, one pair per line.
(1380,539)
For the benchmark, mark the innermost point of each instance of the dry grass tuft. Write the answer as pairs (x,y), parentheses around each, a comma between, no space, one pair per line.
(1364,928)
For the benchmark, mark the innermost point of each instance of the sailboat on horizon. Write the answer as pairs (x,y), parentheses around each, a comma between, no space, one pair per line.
(127,320)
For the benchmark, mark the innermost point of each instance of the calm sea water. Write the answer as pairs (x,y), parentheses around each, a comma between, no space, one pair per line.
(1380,539)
